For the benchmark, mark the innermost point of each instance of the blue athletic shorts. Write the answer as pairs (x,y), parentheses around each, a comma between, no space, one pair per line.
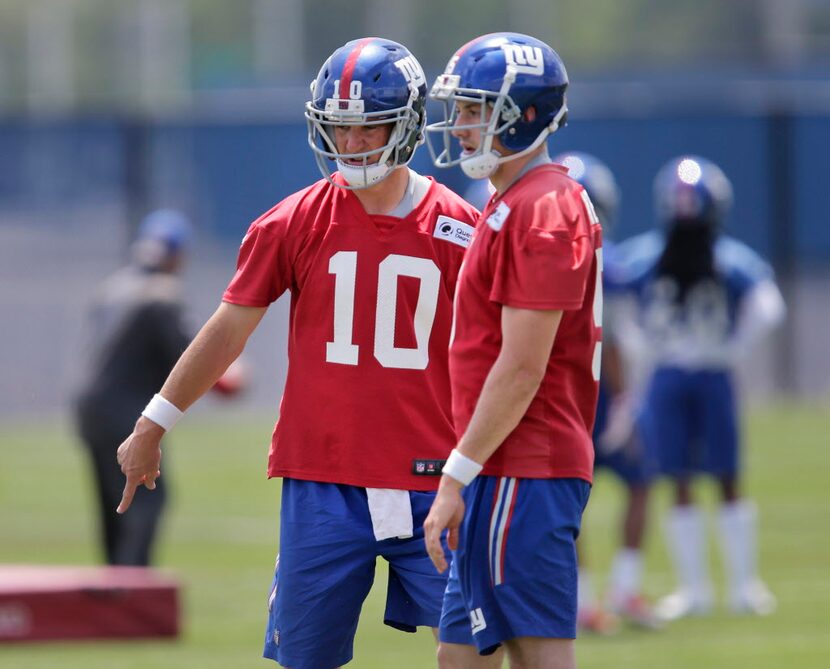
(325,570)
(630,464)
(691,422)
(515,572)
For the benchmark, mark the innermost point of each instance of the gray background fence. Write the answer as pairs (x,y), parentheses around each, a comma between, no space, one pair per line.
(71,190)
(109,109)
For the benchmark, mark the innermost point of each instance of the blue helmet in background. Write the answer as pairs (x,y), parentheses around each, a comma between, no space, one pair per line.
(691,189)
(510,74)
(370,81)
(163,233)
(599,182)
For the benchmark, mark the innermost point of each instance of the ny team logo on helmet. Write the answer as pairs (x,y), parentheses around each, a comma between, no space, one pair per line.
(518,80)
(598,181)
(692,189)
(367,82)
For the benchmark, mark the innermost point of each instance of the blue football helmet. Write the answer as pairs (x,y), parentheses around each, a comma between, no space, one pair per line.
(692,190)
(367,82)
(598,181)
(508,74)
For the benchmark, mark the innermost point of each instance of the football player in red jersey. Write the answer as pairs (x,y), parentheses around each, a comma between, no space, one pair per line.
(370,254)
(524,363)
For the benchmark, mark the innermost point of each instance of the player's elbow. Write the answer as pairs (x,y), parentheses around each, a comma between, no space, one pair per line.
(531,376)
(525,375)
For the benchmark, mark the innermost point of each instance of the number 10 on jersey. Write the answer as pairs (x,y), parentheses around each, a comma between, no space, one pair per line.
(342,350)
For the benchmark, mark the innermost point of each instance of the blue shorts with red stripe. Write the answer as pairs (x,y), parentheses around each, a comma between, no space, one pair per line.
(515,571)
(325,570)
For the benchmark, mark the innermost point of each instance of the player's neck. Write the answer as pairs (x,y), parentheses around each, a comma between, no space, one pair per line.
(383,197)
(507,173)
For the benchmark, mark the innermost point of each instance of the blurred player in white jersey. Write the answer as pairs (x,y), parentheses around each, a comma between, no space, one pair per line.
(370,255)
(702,301)
(617,443)
(524,363)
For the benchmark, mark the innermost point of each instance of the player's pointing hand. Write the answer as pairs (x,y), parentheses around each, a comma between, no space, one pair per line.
(140,459)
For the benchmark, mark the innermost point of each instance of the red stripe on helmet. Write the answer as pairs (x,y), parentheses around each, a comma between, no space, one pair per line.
(478,39)
(348,68)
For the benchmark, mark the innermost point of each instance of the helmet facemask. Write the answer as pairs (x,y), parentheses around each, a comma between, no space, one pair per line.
(404,136)
(497,113)
(522,82)
(504,116)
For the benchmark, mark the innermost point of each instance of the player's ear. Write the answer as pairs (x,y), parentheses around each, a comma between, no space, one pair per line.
(530,114)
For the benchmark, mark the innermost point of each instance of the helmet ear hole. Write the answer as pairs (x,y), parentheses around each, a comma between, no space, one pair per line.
(529,114)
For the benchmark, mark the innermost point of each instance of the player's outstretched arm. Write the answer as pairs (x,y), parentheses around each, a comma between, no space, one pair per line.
(215,347)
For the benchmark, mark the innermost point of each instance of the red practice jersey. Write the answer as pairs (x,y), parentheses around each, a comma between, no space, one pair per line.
(538,246)
(367,392)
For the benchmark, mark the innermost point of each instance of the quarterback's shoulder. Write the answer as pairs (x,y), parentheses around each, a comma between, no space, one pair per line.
(296,211)
(543,181)
(545,198)
(448,202)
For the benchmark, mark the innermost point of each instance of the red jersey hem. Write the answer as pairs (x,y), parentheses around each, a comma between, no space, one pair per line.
(413,483)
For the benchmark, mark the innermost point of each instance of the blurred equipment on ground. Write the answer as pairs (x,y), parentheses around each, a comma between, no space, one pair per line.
(40,603)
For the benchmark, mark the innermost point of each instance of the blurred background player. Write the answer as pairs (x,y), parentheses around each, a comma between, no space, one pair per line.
(617,444)
(702,300)
(137,332)
(370,254)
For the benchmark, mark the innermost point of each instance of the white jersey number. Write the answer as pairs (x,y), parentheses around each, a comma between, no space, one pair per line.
(596,363)
(343,265)
(597,360)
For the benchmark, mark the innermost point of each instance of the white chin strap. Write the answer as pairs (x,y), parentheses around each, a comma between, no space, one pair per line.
(362,176)
(480,166)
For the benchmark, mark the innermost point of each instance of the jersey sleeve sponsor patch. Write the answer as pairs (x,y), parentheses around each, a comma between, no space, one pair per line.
(452,230)
(498,217)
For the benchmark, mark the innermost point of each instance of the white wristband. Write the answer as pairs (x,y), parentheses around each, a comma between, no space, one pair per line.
(461,468)
(162,412)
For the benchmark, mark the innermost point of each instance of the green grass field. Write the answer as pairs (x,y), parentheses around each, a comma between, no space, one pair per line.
(220,539)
